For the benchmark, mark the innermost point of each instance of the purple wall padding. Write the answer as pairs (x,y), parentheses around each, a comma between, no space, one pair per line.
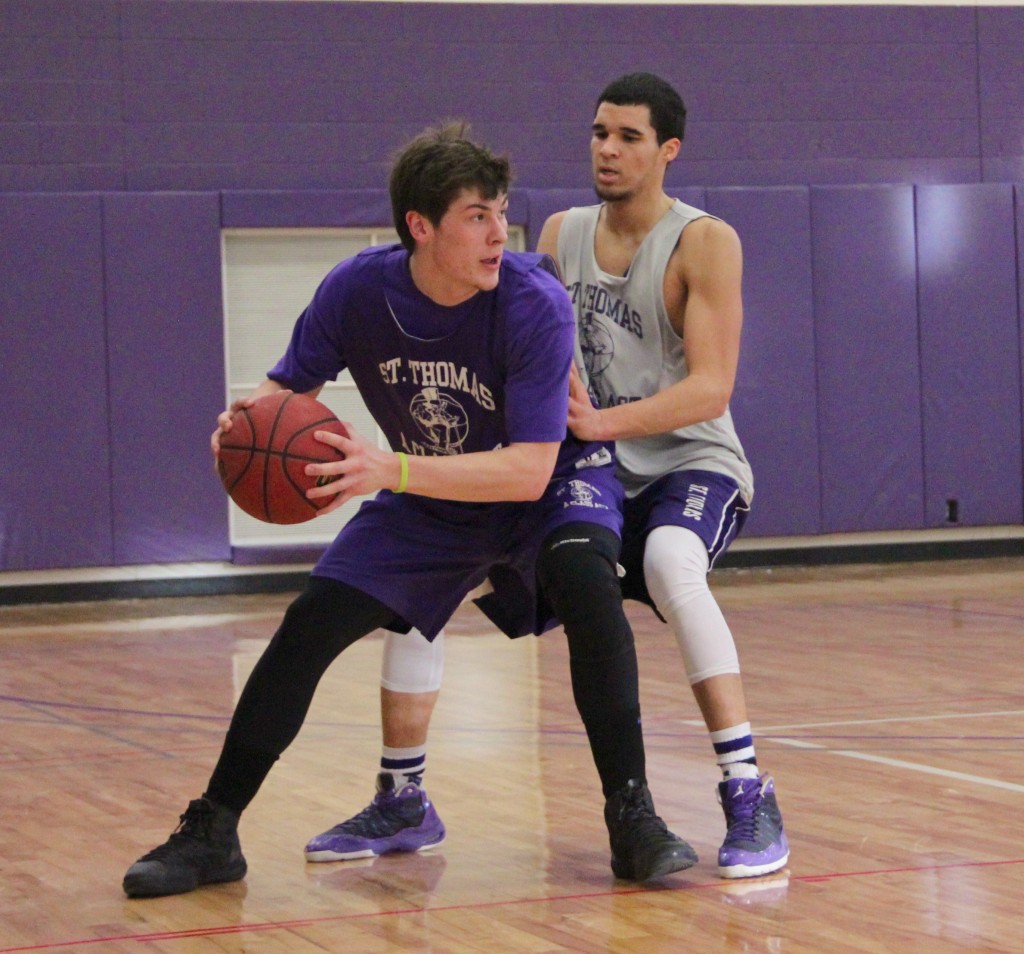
(167,378)
(869,398)
(773,403)
(55,474)
(970,353)
(1018,192)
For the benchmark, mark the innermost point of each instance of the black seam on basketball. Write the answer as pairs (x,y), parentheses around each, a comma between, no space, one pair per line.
(249,448)
(267,454)
(280,453)
(302,432)
(319,503)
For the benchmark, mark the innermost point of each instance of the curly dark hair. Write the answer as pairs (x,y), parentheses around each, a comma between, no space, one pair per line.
(668,112)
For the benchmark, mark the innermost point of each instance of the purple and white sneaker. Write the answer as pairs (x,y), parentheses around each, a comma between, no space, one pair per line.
(755,842)
(394,821)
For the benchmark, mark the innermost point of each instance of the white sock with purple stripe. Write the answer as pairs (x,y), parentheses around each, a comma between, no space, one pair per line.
(405,766)
(734,751)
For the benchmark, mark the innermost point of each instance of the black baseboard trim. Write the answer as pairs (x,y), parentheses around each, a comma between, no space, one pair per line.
(84,592)
(896,552)
(286,581)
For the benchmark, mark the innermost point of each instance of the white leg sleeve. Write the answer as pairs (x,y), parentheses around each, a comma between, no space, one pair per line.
(676,571)
(411,663)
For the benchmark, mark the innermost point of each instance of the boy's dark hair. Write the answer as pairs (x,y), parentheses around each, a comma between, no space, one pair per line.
(433,169)
(668,113)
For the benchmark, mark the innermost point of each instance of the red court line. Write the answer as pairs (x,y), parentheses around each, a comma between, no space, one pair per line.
(482,905)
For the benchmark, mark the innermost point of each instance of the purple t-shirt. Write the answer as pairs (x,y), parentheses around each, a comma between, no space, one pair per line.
(440,380)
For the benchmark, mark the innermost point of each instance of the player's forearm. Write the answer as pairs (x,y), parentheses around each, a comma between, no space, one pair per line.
(687,402)
(268,386)
(518,472)
(272,386)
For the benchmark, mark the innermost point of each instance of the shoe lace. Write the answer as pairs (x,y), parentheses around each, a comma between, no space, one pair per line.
(636,808)
(744,817)
(193,825)
(373,821)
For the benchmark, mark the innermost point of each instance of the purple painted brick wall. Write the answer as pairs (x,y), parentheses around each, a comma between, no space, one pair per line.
(1001,93)
(61,119)
(154,123)
(214,94)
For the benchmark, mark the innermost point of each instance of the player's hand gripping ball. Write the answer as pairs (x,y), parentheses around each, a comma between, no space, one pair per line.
(262,460)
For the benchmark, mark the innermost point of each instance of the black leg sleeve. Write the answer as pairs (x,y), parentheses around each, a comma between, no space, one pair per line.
(577,573)
(322,622)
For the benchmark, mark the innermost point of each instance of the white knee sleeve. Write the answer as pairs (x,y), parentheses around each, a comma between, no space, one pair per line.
(676,571)
(411,663)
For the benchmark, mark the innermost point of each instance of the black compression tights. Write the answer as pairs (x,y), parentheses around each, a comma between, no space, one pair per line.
(577,570)
(324,620)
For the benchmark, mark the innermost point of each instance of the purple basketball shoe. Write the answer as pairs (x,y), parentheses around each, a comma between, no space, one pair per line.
(755,842)
(394,821)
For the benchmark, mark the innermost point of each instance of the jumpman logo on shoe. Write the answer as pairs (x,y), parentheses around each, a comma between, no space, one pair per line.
(739,790)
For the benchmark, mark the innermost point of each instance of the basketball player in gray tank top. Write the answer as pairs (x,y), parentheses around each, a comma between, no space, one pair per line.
(656,285)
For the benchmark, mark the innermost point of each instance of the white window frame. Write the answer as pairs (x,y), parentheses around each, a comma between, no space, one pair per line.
(269,276)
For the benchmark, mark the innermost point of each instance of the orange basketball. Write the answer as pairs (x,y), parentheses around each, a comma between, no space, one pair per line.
(263,458)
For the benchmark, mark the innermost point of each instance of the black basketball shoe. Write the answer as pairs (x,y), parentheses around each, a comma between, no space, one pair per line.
(203,849)
(642,846)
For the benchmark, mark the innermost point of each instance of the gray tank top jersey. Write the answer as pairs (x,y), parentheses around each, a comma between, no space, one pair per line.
(631,351)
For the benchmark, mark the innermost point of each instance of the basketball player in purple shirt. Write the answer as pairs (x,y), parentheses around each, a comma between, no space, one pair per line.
(461,351)
(656,287)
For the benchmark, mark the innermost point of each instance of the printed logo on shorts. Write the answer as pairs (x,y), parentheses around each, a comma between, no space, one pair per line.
(696,498)
(582,494)
(602,457)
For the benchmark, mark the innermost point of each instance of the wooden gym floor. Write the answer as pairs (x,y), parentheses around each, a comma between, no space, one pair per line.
(887,702)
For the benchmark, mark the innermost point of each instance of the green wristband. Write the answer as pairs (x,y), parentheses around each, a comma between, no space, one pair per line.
(403,480)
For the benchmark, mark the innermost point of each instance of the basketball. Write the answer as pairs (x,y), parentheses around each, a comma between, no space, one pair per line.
(263,458)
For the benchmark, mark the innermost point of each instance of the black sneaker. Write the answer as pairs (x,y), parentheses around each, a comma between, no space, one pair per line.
(203,849)
(642,846)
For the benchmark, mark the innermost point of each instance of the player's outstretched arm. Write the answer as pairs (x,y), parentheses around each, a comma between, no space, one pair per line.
(517,472)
